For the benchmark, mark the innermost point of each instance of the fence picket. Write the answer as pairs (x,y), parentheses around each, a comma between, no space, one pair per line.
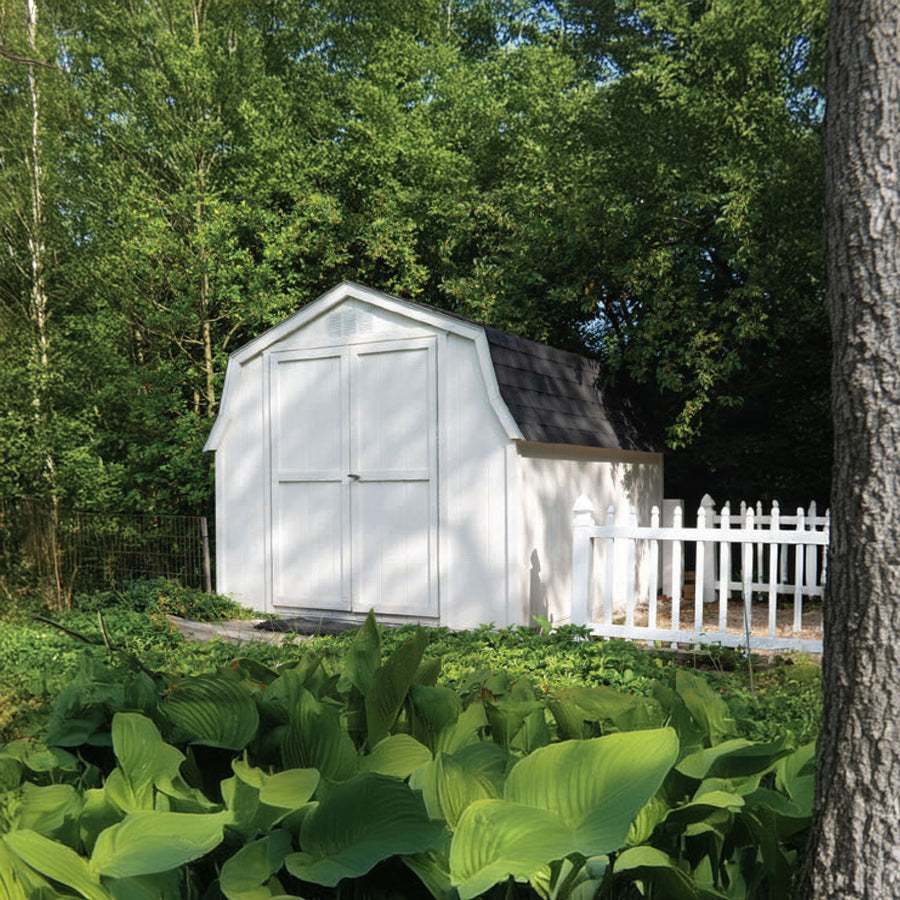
(629,568)
(677,563)
(724,570)
(654,571)
(812,556)
(700,575)
(798,574)
(610,562)
(774,548)
(760,546)
(747,571)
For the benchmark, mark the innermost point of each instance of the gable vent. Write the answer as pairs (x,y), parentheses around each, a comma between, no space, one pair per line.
(347,322)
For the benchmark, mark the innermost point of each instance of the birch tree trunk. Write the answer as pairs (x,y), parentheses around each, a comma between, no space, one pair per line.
(855,848)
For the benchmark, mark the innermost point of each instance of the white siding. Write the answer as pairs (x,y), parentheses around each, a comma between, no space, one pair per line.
(473,495)
(551,478)
(240,494)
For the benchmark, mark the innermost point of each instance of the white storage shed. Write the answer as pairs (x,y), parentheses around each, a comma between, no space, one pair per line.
(374,453)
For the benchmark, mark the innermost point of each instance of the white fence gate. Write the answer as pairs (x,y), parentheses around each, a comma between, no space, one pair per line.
(747,568)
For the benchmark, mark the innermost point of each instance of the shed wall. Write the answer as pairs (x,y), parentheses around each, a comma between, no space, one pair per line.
(473,496)
(241,491)
(551,477)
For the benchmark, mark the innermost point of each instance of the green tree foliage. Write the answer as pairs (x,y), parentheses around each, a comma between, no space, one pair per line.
(640,178)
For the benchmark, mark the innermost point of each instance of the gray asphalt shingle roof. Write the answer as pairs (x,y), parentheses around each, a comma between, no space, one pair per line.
(558,397)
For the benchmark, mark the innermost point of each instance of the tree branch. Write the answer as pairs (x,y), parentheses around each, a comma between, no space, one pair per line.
(25,61)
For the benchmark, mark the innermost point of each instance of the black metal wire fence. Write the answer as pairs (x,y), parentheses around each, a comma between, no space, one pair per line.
(59,552)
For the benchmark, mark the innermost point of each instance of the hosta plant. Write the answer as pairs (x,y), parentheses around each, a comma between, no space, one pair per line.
(371,780)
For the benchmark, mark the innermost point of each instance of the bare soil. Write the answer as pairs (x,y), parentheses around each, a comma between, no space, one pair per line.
(811,619)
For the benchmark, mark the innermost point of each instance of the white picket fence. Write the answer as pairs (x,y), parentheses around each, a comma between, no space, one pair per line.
(744,560)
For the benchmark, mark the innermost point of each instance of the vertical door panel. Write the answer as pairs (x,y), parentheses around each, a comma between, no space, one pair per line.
(393,547)
(309,485)
(394,499)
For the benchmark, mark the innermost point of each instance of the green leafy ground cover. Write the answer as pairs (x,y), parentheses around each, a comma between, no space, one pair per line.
(390,763)
(36,660)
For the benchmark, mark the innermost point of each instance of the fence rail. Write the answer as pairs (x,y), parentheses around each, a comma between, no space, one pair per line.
(59,551)
(745,565)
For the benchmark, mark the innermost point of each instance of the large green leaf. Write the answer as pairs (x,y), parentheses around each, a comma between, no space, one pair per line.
(467,729)
(448,786)
(212,710)
(248,816)
(705,806)
(506,718)
(690,735)
(289,789)
(596,786)
(398,755)
(733,759)
(247,874)
(257,801)
(573,706)
(19,881)
(669,880)
(283,694)
(161,886)
(97,812)
(144,760)
(316,739)
(794,775)
(363,656)
(433,869)
(146,763)
(433,709)
(358,824)
(390,685)
(495,839)
(57,861)
(47,809)
(146,842)
(707,707)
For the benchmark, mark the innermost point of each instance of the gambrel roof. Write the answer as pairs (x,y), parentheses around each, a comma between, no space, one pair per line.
(540,393)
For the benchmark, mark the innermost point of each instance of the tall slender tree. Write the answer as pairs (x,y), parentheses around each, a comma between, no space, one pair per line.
(855,851)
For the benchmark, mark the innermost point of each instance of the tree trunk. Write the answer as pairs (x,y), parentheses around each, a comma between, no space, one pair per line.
(855,847)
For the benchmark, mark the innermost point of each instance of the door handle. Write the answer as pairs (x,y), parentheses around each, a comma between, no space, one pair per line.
(354,476)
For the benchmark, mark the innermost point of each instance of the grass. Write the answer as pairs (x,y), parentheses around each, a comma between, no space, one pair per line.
(38,661)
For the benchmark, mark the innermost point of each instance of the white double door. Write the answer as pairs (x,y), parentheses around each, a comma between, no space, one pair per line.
(354,490)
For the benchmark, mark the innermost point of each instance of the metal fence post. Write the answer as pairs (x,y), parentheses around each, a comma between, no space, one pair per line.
(207,571)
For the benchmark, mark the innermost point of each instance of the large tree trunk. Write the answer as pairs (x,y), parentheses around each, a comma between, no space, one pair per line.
(855,850)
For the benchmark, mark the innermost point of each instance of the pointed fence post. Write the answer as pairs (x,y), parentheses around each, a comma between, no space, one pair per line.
(799,569)
(700,586)
(709,553)
(630,570)
(677,570)
(610,560)
(812,551)
(774,527)
(749,524)
(654,570)
(582,560)
(724,568)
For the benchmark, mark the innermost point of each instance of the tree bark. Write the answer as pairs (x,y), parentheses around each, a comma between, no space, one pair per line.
(855,846)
